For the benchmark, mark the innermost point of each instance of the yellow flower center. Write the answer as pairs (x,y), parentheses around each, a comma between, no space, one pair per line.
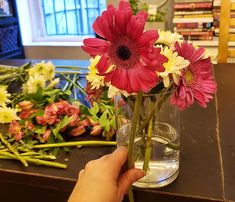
(188,77)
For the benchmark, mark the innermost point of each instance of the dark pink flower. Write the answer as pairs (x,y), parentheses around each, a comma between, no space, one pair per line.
(41,120)
(50,114)
(196,82)
(65,108)
(15,130)
(129,59)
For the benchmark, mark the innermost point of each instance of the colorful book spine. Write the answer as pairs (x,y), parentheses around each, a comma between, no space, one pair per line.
(188,20)
(202,29)
(192,33)
(193,25)
(198,38)
(195,16)
(193,6)
(192,1)
(192,12)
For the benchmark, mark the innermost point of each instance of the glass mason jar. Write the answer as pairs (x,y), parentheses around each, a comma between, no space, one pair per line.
(156,143)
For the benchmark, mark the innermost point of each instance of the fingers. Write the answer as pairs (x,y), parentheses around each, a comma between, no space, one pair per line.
(128,178)
(118,158)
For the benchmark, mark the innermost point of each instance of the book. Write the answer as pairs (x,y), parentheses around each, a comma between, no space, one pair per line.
(193,29)
(194,16)
(197,38)
(193,6)
(188,20)
(192,1)
(193,25)
(191,33)
(192,12)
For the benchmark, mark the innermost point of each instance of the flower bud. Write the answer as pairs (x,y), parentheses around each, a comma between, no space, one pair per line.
(46,135)
(78,131)
(26,105)
(96,130)
(85,122)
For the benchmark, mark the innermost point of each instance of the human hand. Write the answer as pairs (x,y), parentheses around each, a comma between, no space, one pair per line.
(101,180)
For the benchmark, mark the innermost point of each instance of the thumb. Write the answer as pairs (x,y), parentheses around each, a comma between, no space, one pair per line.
(128,178)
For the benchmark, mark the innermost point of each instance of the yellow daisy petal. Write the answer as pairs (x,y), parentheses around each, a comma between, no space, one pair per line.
(4,96)
(7,115)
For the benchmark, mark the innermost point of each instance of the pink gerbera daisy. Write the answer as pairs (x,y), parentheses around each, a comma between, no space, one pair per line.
(129,59)
(196,82)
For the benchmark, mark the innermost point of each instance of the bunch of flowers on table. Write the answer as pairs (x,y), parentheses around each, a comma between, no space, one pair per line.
(40,115)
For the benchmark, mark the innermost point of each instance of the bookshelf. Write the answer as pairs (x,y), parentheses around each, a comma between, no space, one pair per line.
(10,40)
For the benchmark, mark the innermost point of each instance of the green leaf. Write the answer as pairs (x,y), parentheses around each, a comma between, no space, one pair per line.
(104,121)
(84,110)
(40,129)
(95,109)
(51,139)
(64,122)
(113,122)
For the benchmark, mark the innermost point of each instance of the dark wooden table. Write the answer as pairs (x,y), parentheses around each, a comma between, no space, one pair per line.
(207,157)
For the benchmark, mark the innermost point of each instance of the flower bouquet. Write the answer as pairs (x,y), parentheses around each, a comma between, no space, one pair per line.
(144,70)
(40,113)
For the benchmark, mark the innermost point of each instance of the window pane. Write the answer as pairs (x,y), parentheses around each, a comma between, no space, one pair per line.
(48,6)
(50,24)
(79,24)
(69,4)
(72,25)
(59,5)
(71,17)
(61,23)
(92,3)
(92,13)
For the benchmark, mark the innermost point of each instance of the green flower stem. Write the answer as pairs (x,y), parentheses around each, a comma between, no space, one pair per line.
(7,76)
(15,152)
(75,84)
(46,163)
(155,109)
(72,67)
(30,153)
(131,194)
(148,148)
(49,157)
(135,119)
(173,146)
(6,155)
(2,147)
(78,143)
(3,150)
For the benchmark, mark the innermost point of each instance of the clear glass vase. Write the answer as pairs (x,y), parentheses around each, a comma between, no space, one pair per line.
(156,144)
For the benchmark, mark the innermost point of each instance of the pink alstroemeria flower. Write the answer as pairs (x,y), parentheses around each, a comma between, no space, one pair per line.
(196,82)
(129,59)
(15,130)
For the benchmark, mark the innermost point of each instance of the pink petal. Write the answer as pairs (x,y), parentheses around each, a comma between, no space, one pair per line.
(95,42)
(135,28)
(95,46)
(121,20)
(124,5)
(147,38)
(103,65)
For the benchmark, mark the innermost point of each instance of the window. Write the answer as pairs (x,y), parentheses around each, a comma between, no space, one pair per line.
(67,22)
(71,17)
